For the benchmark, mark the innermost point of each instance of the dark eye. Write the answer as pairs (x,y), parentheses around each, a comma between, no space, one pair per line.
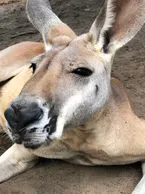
(83,72)
(33,66)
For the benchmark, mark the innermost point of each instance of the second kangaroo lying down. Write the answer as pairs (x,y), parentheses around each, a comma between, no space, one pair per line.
(69,107)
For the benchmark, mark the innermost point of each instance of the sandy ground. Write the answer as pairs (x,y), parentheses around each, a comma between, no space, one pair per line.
(57,177)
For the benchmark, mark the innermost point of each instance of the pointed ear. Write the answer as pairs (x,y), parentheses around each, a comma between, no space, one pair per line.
(14,58)
(117,23)
(52,29)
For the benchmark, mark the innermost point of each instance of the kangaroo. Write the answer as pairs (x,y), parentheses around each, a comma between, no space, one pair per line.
(64,103)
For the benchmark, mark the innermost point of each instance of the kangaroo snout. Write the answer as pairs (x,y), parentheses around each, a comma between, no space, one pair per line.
(22,112)
(28,122)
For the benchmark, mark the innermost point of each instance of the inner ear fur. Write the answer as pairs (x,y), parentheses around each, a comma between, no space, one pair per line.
(60,34)
(117,23)
(54,32)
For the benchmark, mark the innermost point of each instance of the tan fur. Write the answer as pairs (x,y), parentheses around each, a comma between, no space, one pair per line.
(116,136)
(60,34)
(11,90)
(131,18)
(14,58)
(113,134)
(15,61)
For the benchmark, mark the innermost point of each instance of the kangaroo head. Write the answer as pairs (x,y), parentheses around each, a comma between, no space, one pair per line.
(71,80)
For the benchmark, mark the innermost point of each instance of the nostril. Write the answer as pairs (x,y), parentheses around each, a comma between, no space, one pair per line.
(40,115)
(15,108)
(11,117)
(20,117)
(29,115)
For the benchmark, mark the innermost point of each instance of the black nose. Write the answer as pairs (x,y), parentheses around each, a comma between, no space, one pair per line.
(21,115)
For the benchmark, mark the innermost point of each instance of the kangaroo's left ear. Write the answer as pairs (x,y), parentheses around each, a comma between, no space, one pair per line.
(117,23)
(54,32)
(15,58)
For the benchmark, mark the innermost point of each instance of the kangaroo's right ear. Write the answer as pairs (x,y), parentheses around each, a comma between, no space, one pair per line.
(15,58)
(52,29)
(117,23)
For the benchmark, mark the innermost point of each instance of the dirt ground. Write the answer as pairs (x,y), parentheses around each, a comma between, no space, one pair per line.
(57,177)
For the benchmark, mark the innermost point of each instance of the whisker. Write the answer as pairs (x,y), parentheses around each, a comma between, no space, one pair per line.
(20,130)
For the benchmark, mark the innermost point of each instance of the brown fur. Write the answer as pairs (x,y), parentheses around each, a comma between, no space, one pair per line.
(131,18)
(60,34)
(113,134)
(15,62)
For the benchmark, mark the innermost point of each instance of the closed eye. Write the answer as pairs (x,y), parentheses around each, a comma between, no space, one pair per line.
(84,72)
